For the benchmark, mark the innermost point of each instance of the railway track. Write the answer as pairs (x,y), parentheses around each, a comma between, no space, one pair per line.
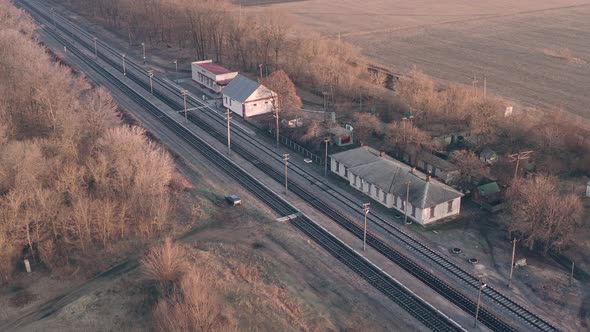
(420,309)
(422,274)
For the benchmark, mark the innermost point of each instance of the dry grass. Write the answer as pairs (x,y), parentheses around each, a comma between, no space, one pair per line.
(165,265)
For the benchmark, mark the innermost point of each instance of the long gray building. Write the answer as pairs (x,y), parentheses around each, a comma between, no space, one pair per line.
(395,184)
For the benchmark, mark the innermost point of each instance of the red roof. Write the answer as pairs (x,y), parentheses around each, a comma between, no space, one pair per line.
(214,68)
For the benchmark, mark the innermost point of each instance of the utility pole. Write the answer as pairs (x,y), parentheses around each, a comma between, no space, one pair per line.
(151,75)
(407,201)
(176,65)
(474,83)
(325,101)
(143,46)
(228,117)
(366,212)
(484,85)
(286,160)
(572,273)
(482,285)
(326,140)
(53,17)
(276,105)
(95,51)
(523,155)
(260,66)
(184,93)
(124,71)
(512,265)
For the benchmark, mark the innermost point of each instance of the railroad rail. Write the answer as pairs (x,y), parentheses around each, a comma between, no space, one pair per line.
(417,307)
(414,245)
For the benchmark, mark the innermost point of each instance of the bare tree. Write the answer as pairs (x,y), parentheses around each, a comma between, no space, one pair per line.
(280,83)
(469,165)
(541,215)
(366,125)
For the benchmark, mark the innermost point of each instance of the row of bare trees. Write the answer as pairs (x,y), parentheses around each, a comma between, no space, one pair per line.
(218,30)
(73,179)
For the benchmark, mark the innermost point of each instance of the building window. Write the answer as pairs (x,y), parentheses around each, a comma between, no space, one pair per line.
(254,105)
(450,207)
(346,172)
(266,102)
(432,212)
(337,167)
(230,102)
(370,188)
(355,180)
(384,198)
(413,211)
(362,184)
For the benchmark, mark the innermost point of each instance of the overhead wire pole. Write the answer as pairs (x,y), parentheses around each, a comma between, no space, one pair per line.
(53,17)
(523,155)
(482,285)
(474,83)
(512,265)
(151,75)
(407,200)
(276,106)
(184,93)
(176,65)
(485,88)
(143,46)
(366,212)
(326,140)
(124,71)
(228,117)
(286,160)
(95,50)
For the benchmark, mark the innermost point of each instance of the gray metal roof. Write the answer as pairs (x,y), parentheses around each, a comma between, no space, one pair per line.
(240,88)
(391,176)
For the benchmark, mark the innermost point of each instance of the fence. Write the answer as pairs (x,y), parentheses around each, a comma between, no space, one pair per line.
(297,147)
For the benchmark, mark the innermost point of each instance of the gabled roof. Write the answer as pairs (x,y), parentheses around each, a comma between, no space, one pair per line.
(392,176)
(433,160)
(241,87)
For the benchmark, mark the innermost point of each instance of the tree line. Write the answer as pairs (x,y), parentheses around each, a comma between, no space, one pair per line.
(73,179)
(218,30)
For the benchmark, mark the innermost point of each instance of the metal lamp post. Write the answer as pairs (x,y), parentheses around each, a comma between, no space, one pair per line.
(176,65)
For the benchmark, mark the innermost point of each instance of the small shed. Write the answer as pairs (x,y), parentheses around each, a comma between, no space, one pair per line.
(342,136)
(488,156)
(489,196)
(442,169)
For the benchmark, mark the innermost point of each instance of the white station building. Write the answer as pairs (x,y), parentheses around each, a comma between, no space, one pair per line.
(246,97)
(211,75)
(395,184)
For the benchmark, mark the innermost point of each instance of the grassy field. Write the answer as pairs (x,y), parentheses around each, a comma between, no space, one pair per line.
(533,52)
